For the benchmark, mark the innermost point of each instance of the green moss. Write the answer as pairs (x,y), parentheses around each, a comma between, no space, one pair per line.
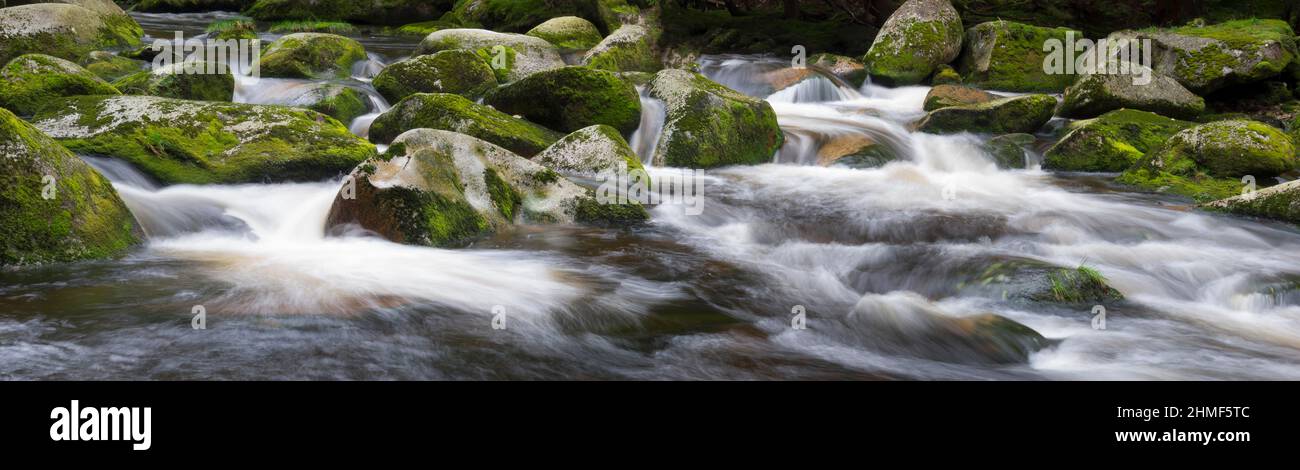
(945,75)
(311,55)
(422,28)
(340,102)
(1008,150)
(1111,142)
(457,72)
(505,198)
(1198,186)
(630,48)
(189,86)
(1003,55)
(521,15)
(591,211)
(308,26)
(567,32)
(571,98)
(82,218)
(709,125)
(109,66)
(233,28)
(1246,51)
(31,81)
(1020,114)
(457,114)
(1080,285)
(911,53)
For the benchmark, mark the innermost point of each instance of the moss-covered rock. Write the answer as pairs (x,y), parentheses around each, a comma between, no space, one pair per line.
(511,56)
(312,26)
(199,142)
(1081,285)
(846,68)
(1002,55)
(522,15)
(1021,280)
(919,36)
(709,125)
(455,113)
(1018,114)
(334,100)
(384,12)
(62,30)
(1112,142)
(1281,202)
(942,96)
(53,206)
(175,81)
(32,80)
(232,28)
(1206,162)
(1095,94)
(311,55)
(110,66)
(184,6)
(1207,58)
(1008,150)
(945,75)
(568,33)
(629,48)
(457,72)
(571,98)
(588,152)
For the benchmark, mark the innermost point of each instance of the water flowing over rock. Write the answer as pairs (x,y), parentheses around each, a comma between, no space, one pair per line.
(919,36)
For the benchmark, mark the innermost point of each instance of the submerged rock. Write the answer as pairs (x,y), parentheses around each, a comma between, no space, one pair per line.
(311,55)
(568,33)
(336,101)
(1008,150)
(709,125)
(1035,281)
(457,114)
(919,36)
(1112,142)
(1002,55)
(53,206)
(199,142)
(173,81)
(846,68)
(1095,94)
(1207,58)
(1281,202)
(1206,162)
(942,96)
(65,31)
(511,56)
(457,72)
(854,151)
(588,152)
(570,98)
(909,324)
(630,48)
(1018,114)
(31,81)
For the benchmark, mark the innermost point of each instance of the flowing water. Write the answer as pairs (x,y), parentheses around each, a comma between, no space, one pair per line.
(879,259)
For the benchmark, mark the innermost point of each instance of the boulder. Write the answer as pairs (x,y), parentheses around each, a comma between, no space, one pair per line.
(522,15)
(1208,58)
(334,100)
(630,48)
(846,68)
(589,152)
(1207,162)
(455,113)
(458,72)
(568,33)
(1017,114)
(511,56)
(917,38)
(854,151)
(175,81)
(311,55)
(1112,142)
(32,80)
(709,125)
(1281,202)
(1008,150)
(62,30)
(942,96)
(1002,55)
(53,206)
(110,66)
(1095,94)
(201,142)
(571,98)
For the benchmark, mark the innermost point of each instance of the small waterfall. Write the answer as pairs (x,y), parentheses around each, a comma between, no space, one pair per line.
(366,70)
(361,125)
(646,137)
(815,89)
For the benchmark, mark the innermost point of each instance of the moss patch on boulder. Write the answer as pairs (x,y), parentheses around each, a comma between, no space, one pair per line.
(568,33)
(1002,55)
(177,81)
(456,114)
(589,152)
(457,72)
(1112,142)
(1207,58)
(1281,202)
(65,31)
(110,66)
(311,55)
(571,98)
(1008,150)
(511,56)
(1018,114)
(1095,94)
(629,48)
(918,37)
(709,125)
(31,81)
(1206,162)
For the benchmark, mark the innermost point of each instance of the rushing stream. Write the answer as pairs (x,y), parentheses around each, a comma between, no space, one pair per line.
(876,257)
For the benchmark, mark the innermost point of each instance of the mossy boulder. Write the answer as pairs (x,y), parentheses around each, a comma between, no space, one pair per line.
(1095,94)
(1008,150)
(511,56)
(384,12)
(110,66)
(943,96)
(181,81)
(945,75)
(629,48)
(232,28)
(917,38)
(337,101)
(846,68)
(185,6)
(30,81)
(455,113)
(53,206)
(709,125)
(571,98)
(1208,58)
(202,142)
(1112,142)
(458,72)
(568,33)
(1281,202)
(1002,55)
(1017,114)
(65,31)
(589,152)
(311,55)
(522,15)
(1206,162)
